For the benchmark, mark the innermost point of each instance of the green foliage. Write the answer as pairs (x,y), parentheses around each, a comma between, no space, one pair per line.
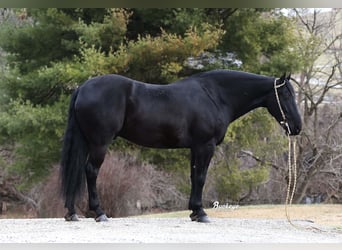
(258,133)
(51,35)
(152,59)
(37,133)
(262,40)
(232,183)
(38,42)
(49,52)
(153,21)
(44,85)
(107,34)
(34,86)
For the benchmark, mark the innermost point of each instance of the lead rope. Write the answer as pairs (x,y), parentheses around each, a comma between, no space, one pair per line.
(289,198)
(290,194)
(291,150)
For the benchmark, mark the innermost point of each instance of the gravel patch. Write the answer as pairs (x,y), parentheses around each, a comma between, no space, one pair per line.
(163,230)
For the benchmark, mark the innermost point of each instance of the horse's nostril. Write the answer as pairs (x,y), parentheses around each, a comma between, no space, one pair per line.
(297,130)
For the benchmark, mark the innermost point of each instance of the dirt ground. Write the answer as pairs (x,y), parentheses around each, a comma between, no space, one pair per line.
(327,215)
(257,224)
(330,215)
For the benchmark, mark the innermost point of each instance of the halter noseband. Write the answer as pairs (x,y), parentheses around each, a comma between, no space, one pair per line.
(284,121)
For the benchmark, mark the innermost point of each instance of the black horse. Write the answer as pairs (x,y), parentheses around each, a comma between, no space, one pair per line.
(191,113)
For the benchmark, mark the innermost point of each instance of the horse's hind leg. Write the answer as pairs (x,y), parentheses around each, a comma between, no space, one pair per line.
(71,215)
(96,157)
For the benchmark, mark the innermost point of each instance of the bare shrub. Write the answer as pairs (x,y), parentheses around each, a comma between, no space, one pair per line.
(48,197)
(128,188)
(125,186)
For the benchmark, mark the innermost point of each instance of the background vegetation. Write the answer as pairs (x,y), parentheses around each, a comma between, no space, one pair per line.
(47,53)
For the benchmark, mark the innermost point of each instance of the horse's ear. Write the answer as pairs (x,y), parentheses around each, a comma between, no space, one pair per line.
(282,78)
(289,76)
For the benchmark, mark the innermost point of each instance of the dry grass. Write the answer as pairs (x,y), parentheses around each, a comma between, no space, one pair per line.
(330,215)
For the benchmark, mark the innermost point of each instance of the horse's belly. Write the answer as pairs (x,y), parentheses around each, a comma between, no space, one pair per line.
(155,137)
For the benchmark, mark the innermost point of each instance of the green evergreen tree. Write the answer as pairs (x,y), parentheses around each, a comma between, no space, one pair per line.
(68,47)
(49,52)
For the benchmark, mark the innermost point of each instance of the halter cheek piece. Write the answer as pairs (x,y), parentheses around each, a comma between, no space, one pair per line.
(284,121)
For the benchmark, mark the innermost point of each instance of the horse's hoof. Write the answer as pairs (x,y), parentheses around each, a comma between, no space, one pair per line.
(101,218)
(194,216)
(72,217)
(203,219)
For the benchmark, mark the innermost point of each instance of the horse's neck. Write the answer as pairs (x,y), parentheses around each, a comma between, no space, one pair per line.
(243,97)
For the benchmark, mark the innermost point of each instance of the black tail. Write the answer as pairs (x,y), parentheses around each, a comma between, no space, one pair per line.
(74,158)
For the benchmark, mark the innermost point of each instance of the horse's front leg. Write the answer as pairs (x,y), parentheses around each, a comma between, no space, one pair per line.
(200,159)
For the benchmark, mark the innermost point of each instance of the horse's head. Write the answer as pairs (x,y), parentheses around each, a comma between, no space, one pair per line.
(282,105)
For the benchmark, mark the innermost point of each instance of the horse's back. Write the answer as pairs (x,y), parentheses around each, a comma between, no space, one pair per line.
(162,116)
(100,86)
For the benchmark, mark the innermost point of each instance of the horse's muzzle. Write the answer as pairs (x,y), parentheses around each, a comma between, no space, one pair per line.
(290,130)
